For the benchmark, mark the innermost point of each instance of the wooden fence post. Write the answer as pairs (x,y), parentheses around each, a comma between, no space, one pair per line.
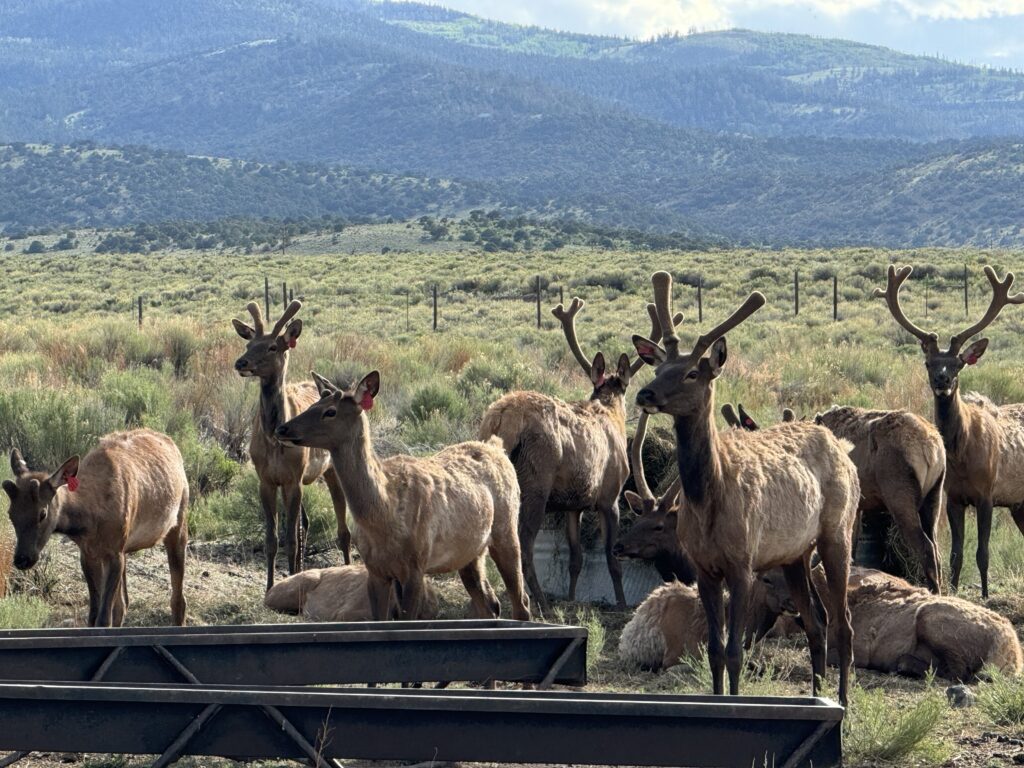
(435,306)
(796,291)
(266,296)
(140,311)
(538,301)
(700,298)
(926,299)
(284,294)
(967,309)
(835,298)
(561,296)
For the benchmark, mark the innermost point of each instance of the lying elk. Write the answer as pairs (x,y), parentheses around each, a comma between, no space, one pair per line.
(128,493)
(984,443)
(568,456)
(903,629)
(653,534)
(418,516)
(282,467)
(901,463)
(751,500)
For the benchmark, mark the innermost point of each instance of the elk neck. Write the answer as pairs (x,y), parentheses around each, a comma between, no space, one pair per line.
(361,473)
(697,451)
(949,418)
(71,516)
(273,403)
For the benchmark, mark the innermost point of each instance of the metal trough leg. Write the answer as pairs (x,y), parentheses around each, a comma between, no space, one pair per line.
(808,744)
(177,747)
(559,663)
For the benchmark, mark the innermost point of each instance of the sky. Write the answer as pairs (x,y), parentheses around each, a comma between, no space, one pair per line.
(982,32)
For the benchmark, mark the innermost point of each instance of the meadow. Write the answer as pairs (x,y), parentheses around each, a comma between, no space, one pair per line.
(75,364)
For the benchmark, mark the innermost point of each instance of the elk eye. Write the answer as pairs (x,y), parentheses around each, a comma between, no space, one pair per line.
(692,375)
(273,347)
(659,527)
(42,515)
(330,413)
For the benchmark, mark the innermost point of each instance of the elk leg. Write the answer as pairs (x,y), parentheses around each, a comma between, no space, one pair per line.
(928,512)
(292,497)
(572,534)
(268,500)
(113,566)
(411,601)
(610,523)
(340,513)
(739,592)
(379,589)
(984,510)
(955,515)
(120,607)
(474,578)
(531,518)
(1017,513)
(710,591)
(905,512)
(835,558)
(508,559)
(807,602)
(93,572)
(175,543)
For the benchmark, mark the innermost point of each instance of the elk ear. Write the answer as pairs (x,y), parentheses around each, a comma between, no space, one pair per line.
(973,353)
(323,384)
(68,473)
(11,488)
(18,465)
(247,332)
(717,357)
(292,333)
(636,503)
(597,370)
(367,389)
(788,415)
(622,370)
(649,352)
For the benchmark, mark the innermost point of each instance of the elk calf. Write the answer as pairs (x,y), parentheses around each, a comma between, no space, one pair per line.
(417,516)
(333,594)
(900,628)
(128,493)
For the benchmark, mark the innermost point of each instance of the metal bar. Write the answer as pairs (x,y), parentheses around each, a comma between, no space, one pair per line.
(453,725)
(177,747)
(103,668)
(182,670)
(549,678)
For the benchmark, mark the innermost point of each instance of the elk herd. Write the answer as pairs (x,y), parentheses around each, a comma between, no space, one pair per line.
(770,516)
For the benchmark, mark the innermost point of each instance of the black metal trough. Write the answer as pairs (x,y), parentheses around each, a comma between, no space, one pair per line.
(449,725)
(302,654)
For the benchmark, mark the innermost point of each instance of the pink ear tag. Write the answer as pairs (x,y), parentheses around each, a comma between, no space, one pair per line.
(292,343)
(72,483)
(367,402)
(972,359)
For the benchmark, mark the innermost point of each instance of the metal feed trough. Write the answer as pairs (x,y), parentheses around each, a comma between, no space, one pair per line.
(210,691)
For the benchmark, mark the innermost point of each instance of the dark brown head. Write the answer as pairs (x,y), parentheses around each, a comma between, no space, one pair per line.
(32,511)
(944,366)
(334,417)
(653,533)
(683,383)
(266,354)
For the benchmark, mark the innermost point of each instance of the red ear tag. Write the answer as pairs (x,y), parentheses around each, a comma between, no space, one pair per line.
(72,483)
(971,360)
(599,382)
(748,423)
(292,343)
(367,402)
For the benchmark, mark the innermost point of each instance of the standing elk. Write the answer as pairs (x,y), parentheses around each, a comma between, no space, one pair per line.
(283,467)
(568,456)
(751,500)
(418,516)
(128,493)
(901,463)
(984,443)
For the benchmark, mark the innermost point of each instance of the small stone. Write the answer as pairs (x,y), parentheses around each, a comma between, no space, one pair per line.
(206,574)
(1018,759)
(960,696)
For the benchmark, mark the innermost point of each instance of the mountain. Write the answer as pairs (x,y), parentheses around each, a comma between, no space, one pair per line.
(758,138)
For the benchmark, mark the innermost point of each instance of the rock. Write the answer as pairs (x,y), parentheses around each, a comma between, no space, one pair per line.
(1018,759)
(960,696)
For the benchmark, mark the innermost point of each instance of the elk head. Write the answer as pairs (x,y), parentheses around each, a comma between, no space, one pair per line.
(683,384)
(31,512)
(607,388)
(337,413)
(654,531)
(266,354)
(944,366)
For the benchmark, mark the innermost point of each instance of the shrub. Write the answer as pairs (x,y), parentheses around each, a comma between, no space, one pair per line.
(23,612)
(879,729)
(1001,699)
(436,399)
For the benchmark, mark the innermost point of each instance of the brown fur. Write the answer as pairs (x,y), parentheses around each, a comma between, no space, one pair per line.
(333,594)
(901,463)
(417,516)
(280,467)
(905,629)
(751,500)
(132,494)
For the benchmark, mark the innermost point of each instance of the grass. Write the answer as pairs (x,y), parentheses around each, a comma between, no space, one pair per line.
(879,730)
(1001,699)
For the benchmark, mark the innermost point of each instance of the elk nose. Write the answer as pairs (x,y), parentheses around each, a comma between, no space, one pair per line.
(22,563)
(240,364)
(647,397)
(618,549)
(282,431)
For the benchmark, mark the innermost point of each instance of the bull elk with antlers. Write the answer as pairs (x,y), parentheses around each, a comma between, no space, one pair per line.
(751,500)
(280,466)
(984,443)
(568,456)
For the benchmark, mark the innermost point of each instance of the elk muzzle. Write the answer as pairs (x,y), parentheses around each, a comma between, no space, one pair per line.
(23,562)
(650,400)
(284,434)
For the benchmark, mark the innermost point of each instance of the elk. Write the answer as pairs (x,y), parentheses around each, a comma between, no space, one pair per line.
(569,457)
(903,629)
(653,534)
(984,443)
(418,516)
(128,493)
(751,500)
(284,468)
(901,463)
(333,594)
